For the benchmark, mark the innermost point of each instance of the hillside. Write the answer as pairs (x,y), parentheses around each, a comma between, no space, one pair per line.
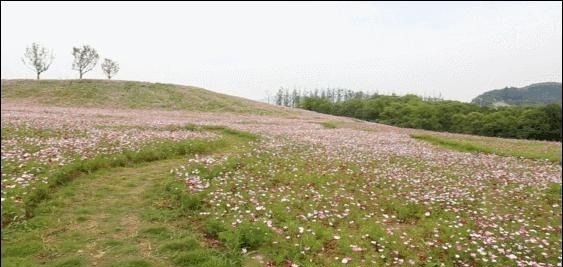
(130,94)
(534,94)
(169,185)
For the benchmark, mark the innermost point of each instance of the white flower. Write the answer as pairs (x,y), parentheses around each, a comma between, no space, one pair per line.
(336,237)
(356,248)
(346,260)
(427,213)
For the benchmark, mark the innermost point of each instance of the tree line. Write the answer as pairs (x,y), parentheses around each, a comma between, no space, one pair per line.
(431,113)
(39,59)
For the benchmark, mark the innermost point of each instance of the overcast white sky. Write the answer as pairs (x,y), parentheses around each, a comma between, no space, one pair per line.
(457,49)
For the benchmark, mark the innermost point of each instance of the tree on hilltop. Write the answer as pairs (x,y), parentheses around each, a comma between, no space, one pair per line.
(85,59)
(110,68)
(37,58)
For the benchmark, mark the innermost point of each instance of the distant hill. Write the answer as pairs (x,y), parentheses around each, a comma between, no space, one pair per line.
(534,94)
(130,94)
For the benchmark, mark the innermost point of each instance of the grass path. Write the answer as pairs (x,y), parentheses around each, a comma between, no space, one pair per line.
(530,149)
(110,218)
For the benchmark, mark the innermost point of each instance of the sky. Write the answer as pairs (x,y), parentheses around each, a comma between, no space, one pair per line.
(456,50)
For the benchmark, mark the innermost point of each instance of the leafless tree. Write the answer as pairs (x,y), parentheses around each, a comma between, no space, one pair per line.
(110,67)
(85,59)
(37,58)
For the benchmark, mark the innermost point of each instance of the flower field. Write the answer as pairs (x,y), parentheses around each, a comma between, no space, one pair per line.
(303,194)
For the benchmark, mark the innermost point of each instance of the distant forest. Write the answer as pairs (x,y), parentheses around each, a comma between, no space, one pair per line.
(534,94)
(411,111)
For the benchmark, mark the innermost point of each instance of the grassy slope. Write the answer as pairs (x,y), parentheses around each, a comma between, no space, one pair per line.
(127,216)
(530,149)
(135,227)
(130,230)
(143,95)
(129,94)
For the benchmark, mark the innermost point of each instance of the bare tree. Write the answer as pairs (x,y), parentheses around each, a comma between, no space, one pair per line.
(110,67)
(37,58)
(85,59)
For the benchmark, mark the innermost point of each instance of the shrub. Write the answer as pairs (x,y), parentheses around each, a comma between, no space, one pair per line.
(213,227)
(253,235)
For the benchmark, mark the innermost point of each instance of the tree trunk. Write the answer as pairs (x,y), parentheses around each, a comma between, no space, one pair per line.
(81,75)
(38,75)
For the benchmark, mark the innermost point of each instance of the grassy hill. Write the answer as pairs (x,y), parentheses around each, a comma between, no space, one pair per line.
(130,187)
(534,94)
(130,94)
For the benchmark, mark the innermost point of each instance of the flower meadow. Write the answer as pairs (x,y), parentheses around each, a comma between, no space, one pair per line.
(356,194)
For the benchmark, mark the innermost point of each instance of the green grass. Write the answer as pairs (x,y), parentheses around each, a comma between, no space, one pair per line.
(330,124)
(536,150)
(25,131)
(149,218)
(129,209)
(137,226)
(332,179)
(152,152)
(129,94)
(120,234)
(159,151)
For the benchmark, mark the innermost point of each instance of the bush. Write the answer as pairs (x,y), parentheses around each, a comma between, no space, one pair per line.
(191,258)
(213,227)
(410,212)
(191,202)
(252,235)
(181,245)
